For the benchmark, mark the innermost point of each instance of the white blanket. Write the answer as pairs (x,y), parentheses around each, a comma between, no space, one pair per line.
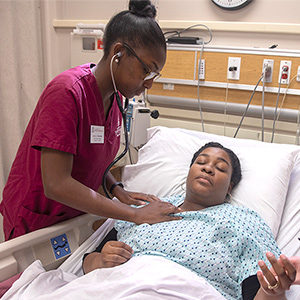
(145,277)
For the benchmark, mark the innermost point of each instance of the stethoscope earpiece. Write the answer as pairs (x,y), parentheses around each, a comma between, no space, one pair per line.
(116,56)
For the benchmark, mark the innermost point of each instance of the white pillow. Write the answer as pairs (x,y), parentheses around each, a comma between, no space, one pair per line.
(289,234)
(163,165)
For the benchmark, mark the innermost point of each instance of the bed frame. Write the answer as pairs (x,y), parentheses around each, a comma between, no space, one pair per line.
(51,245)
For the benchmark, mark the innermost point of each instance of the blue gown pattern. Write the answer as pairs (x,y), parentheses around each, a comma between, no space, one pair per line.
(221,243)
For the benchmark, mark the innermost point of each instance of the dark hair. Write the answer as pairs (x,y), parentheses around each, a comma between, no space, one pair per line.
(136,27)
(235,162)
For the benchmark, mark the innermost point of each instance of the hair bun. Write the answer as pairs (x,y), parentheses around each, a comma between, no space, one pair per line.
(142,8)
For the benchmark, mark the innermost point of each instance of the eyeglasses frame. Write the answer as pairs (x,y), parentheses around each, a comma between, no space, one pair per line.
(151,74)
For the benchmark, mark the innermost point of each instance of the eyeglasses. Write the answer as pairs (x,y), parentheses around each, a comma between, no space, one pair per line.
(149,73)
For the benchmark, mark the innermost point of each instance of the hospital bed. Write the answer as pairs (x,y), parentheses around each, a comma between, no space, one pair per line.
(270,186)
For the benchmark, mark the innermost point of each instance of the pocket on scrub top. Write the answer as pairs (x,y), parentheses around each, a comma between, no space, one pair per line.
(33,220)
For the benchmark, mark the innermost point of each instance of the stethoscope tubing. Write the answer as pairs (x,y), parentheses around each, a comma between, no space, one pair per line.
(123,112)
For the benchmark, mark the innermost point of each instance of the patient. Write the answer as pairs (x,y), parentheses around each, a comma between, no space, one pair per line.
(220,242)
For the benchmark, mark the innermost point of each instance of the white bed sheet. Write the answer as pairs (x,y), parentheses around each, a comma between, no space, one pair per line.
(146,277)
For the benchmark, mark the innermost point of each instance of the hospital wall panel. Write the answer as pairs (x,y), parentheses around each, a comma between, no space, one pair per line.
(286,133)
(175,94)
(218,94)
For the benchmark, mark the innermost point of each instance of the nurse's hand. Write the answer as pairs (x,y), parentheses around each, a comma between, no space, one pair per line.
(156,212)
(113,253)
(133,198)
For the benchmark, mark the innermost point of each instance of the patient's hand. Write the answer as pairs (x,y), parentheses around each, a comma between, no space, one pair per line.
(295,260)
(274,282)
(114,253)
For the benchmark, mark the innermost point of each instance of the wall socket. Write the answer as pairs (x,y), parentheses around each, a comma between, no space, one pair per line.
(285,71)
(234,68)
(268,66)
(168,86)
(201,69)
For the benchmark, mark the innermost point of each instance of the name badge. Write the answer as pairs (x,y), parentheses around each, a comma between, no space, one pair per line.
(97,134)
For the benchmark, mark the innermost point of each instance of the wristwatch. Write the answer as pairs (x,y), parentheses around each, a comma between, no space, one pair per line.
(114,185)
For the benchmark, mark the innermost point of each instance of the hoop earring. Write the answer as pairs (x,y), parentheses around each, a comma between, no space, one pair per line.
(182,186)
(228,198)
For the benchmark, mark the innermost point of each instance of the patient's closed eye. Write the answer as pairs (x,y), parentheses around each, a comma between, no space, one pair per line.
(222,167)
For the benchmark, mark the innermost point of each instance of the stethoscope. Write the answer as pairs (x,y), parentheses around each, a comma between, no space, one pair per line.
(123,112)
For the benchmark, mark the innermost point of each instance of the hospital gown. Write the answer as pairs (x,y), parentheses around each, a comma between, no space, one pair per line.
(221,243)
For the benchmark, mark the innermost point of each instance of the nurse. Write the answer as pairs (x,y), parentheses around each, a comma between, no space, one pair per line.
(74,134)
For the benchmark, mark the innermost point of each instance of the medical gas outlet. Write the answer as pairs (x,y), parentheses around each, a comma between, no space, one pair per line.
(267,69)
(201,69)
(234,68)
(284,72)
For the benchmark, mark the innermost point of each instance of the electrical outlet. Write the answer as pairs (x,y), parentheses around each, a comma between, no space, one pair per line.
(234,68)
(267,69)
(298,74)
(168,86)
(285,72)
(201,69)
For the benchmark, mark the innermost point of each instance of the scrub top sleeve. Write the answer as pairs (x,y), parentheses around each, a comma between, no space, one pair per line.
(57,120)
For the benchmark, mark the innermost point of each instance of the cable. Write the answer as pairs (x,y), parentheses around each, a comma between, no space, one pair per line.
(283,99)
(281,105)
(225,108)
(178,33)
(263,105)
(298,125)
(202,43)
(247,106)
(198,86)
(129,151)
(173,31)
(277,101)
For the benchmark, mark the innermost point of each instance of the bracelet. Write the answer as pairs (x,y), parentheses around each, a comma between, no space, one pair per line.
(114,185)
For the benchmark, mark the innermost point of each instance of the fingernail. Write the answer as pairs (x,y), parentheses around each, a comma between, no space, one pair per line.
(261,263)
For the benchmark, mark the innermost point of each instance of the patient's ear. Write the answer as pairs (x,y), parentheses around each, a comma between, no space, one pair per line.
(230,187)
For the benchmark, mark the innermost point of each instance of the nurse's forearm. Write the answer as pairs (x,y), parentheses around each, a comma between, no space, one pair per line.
(59,185)
(76,195)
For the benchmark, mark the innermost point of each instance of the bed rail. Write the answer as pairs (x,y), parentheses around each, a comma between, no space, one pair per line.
(51,245)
